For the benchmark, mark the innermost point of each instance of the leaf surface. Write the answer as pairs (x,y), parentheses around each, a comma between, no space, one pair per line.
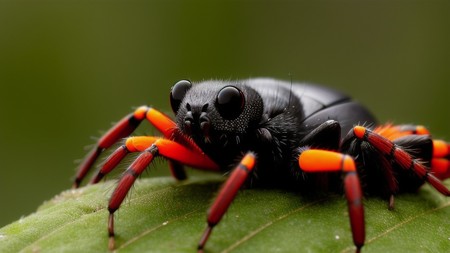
(162,215)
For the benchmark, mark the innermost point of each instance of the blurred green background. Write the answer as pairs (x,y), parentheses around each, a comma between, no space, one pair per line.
(70,68)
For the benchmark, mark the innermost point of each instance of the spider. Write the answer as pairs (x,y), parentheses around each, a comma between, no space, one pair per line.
(301,135)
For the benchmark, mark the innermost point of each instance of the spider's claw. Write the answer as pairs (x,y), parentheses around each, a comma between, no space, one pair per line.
(391,202)
(204,238)
(111,243)
(75,185)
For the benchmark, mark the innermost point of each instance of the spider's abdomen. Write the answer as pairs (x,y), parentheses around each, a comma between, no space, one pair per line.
(318,104)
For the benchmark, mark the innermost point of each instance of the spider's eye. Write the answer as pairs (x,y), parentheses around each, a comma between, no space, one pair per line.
(230,102)
(178,92)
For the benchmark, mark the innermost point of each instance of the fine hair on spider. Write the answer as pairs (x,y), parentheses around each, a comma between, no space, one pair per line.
(274,133)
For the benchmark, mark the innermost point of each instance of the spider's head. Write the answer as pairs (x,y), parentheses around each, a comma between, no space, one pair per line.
(215,111)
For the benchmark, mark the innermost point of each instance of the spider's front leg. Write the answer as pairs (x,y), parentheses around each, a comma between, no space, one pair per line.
(124,128)
(137,144)
(150,147)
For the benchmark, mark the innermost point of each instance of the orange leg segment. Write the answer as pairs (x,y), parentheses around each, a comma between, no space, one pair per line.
(172,151)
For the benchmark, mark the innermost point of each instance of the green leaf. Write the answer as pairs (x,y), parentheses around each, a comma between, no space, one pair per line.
(162,215)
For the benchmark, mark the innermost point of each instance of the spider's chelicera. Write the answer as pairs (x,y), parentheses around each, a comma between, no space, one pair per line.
(283,134)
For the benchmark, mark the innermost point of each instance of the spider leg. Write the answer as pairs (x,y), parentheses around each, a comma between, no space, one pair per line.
(317,160)
(327,135)
(440,150)
(110,163)
(227,194)
(398,155)
(440,163)
(139,144)
(150,147)
(393,132)
(117,156)
(415,139)
(124,128)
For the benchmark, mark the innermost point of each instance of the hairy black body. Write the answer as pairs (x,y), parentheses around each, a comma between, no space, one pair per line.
(275,120)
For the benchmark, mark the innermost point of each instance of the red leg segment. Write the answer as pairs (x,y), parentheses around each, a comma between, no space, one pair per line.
(150,147)
(124,185)
(399,156)
(227,194)
(110,163)
(314,160)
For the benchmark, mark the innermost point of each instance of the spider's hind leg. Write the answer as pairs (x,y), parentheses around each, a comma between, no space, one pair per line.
(400,155)
(432,152)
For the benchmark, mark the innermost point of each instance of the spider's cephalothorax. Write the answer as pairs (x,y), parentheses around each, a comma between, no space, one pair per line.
(280,133)
(217,116)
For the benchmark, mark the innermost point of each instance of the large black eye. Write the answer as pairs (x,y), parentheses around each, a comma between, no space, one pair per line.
(178,92)
(230,102)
